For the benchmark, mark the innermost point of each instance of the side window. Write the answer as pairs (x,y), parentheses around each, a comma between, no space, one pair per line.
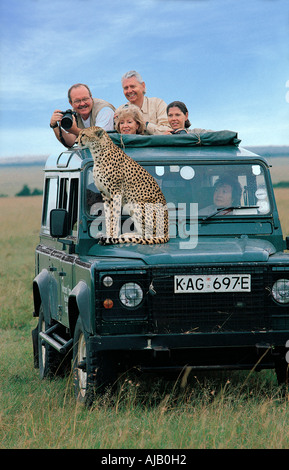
(73,205)
(93,196)
(63,193)
(50,199)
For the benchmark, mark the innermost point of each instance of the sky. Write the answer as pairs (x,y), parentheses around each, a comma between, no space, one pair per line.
(227,60)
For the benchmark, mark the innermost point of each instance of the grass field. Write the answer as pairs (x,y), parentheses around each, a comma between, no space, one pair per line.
(243,410)
(13,178)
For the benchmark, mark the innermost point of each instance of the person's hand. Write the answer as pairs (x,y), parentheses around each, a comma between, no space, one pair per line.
(177,131)
(74,129)
(56,117)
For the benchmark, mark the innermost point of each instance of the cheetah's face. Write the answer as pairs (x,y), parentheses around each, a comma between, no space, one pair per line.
(92,134)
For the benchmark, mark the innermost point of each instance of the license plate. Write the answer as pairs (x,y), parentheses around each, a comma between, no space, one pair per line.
(212,283)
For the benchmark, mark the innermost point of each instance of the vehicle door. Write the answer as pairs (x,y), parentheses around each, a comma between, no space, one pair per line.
(69,200)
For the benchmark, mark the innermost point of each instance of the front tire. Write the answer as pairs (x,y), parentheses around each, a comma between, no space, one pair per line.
(93,372)
(282,372)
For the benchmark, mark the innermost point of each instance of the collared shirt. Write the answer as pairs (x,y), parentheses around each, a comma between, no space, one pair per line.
(101,115)
(104,119)
(154,112)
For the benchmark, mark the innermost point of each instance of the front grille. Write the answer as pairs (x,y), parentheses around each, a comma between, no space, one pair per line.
(209,312)
(162,311)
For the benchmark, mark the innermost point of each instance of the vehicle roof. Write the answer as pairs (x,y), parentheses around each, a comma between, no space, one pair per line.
(158,149)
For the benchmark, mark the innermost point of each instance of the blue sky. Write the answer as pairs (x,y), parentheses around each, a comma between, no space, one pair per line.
(228,60)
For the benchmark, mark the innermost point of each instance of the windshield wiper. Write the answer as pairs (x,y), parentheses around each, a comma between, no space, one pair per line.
(228,208)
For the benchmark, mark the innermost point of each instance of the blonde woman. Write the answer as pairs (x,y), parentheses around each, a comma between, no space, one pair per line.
(129,120)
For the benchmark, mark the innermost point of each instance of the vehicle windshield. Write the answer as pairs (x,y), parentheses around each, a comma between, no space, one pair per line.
(214,189)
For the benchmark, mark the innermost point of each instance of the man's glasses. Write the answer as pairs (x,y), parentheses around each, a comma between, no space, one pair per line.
(79,101)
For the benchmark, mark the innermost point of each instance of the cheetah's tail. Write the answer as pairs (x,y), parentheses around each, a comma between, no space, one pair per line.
(133,238)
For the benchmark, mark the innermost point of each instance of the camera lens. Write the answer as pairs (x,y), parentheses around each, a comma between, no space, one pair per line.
(66,121)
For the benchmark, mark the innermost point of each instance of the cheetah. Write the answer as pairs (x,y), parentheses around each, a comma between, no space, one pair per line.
(123,183)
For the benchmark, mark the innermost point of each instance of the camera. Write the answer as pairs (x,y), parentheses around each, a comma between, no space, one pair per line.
(67,120)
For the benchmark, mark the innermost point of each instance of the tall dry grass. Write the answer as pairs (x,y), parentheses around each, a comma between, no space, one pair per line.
(214,411)
(19,233)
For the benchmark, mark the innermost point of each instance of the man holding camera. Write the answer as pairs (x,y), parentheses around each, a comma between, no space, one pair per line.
(87,112)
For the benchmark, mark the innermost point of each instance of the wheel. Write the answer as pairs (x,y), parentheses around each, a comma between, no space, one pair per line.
(282,372)
(51,362)
(93,372)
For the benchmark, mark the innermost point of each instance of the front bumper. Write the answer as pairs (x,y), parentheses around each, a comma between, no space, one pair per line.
(190,340)
(242,350)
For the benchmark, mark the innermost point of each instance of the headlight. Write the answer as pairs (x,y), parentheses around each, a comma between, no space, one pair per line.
(280,291)
(131,294)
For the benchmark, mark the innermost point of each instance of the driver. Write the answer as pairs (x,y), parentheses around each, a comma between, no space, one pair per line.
(227,192)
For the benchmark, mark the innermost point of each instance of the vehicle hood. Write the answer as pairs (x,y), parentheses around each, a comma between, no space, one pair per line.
(207,250)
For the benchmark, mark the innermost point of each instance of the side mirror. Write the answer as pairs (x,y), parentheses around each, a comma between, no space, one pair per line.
(59,223)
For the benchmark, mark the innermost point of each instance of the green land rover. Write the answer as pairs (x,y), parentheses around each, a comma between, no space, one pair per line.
(216,296)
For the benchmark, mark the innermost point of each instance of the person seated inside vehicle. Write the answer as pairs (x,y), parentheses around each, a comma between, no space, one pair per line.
(129,120)
(227,192)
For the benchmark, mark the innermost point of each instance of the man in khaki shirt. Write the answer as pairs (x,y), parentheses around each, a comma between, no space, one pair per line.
(154,110)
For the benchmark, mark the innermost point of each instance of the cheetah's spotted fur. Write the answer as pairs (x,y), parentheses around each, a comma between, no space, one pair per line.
(122,181)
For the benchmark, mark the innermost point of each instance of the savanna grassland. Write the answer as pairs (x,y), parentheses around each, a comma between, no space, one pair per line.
(12,178)
(228,410)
